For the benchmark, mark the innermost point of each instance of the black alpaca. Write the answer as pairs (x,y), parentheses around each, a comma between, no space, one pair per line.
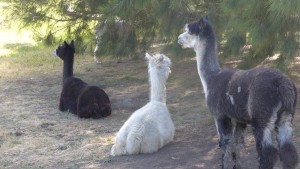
(77,96)
(262,97)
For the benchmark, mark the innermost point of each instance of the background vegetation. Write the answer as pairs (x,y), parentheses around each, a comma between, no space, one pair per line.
(266,27)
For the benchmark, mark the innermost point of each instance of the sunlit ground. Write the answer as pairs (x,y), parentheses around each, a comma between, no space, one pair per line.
(11,37)
(20,56)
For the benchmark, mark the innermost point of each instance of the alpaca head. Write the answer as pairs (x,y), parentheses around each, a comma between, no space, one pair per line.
(195,32)
(65,51)
(159,63)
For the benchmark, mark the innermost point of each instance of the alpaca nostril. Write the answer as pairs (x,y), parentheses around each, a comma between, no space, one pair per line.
(180,41)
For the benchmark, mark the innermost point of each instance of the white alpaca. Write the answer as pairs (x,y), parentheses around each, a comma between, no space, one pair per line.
(150,127)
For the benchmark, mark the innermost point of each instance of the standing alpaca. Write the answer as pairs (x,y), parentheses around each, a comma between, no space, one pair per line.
(150,127)
(77,96)
(262,97)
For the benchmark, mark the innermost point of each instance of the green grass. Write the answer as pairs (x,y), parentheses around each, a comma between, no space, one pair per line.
(15,141)
(21,56)
(1,142)
(28,60)
(132,78)
(24,61)
(10,37)
(63,146)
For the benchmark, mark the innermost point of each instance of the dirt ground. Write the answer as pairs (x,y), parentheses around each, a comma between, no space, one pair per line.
(34,134)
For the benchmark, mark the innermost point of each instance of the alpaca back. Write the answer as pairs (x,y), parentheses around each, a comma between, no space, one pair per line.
(86,101)
(69,95)
(93,102)
(153,118)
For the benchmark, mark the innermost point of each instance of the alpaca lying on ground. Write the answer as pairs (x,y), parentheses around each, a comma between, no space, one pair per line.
(77,96)
(262,97)
(150,127)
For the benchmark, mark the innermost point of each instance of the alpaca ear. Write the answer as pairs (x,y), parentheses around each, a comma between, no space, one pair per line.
(65,44)
(205,19)
(72,45)
(161,58)
(148,56)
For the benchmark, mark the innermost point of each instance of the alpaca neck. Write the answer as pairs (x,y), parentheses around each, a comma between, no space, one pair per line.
(158,87)
(207,62)
(68,68)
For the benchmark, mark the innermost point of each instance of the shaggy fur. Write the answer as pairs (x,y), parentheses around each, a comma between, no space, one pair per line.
(77,96)
(151,127)
(261,97)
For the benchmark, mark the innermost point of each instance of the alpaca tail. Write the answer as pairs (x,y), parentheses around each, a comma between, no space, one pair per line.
(132,146)
(288,95)
(128,143)
(287,151)
(117,149)
(134,140)
(105,110)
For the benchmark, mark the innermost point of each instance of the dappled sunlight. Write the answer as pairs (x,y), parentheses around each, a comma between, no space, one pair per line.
(295,69)
(14,37)
(297,60)
(4,51)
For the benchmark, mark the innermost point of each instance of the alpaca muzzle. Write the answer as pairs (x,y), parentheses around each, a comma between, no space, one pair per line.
(180,41)
(55,53)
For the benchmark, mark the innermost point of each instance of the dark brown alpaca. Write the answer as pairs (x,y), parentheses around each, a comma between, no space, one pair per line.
(77,96)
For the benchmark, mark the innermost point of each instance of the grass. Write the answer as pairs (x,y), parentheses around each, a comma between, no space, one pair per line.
(26,63)
(10,37)
(16,142)
(63,146)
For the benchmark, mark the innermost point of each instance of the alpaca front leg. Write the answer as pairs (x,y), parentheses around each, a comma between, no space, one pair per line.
(62,106)
(238,141)
(224,127)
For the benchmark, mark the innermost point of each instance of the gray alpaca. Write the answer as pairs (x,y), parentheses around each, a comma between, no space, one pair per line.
(261,97)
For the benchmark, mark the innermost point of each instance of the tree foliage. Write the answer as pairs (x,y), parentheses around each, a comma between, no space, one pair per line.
(269,26)
(56,19)
(153,21)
